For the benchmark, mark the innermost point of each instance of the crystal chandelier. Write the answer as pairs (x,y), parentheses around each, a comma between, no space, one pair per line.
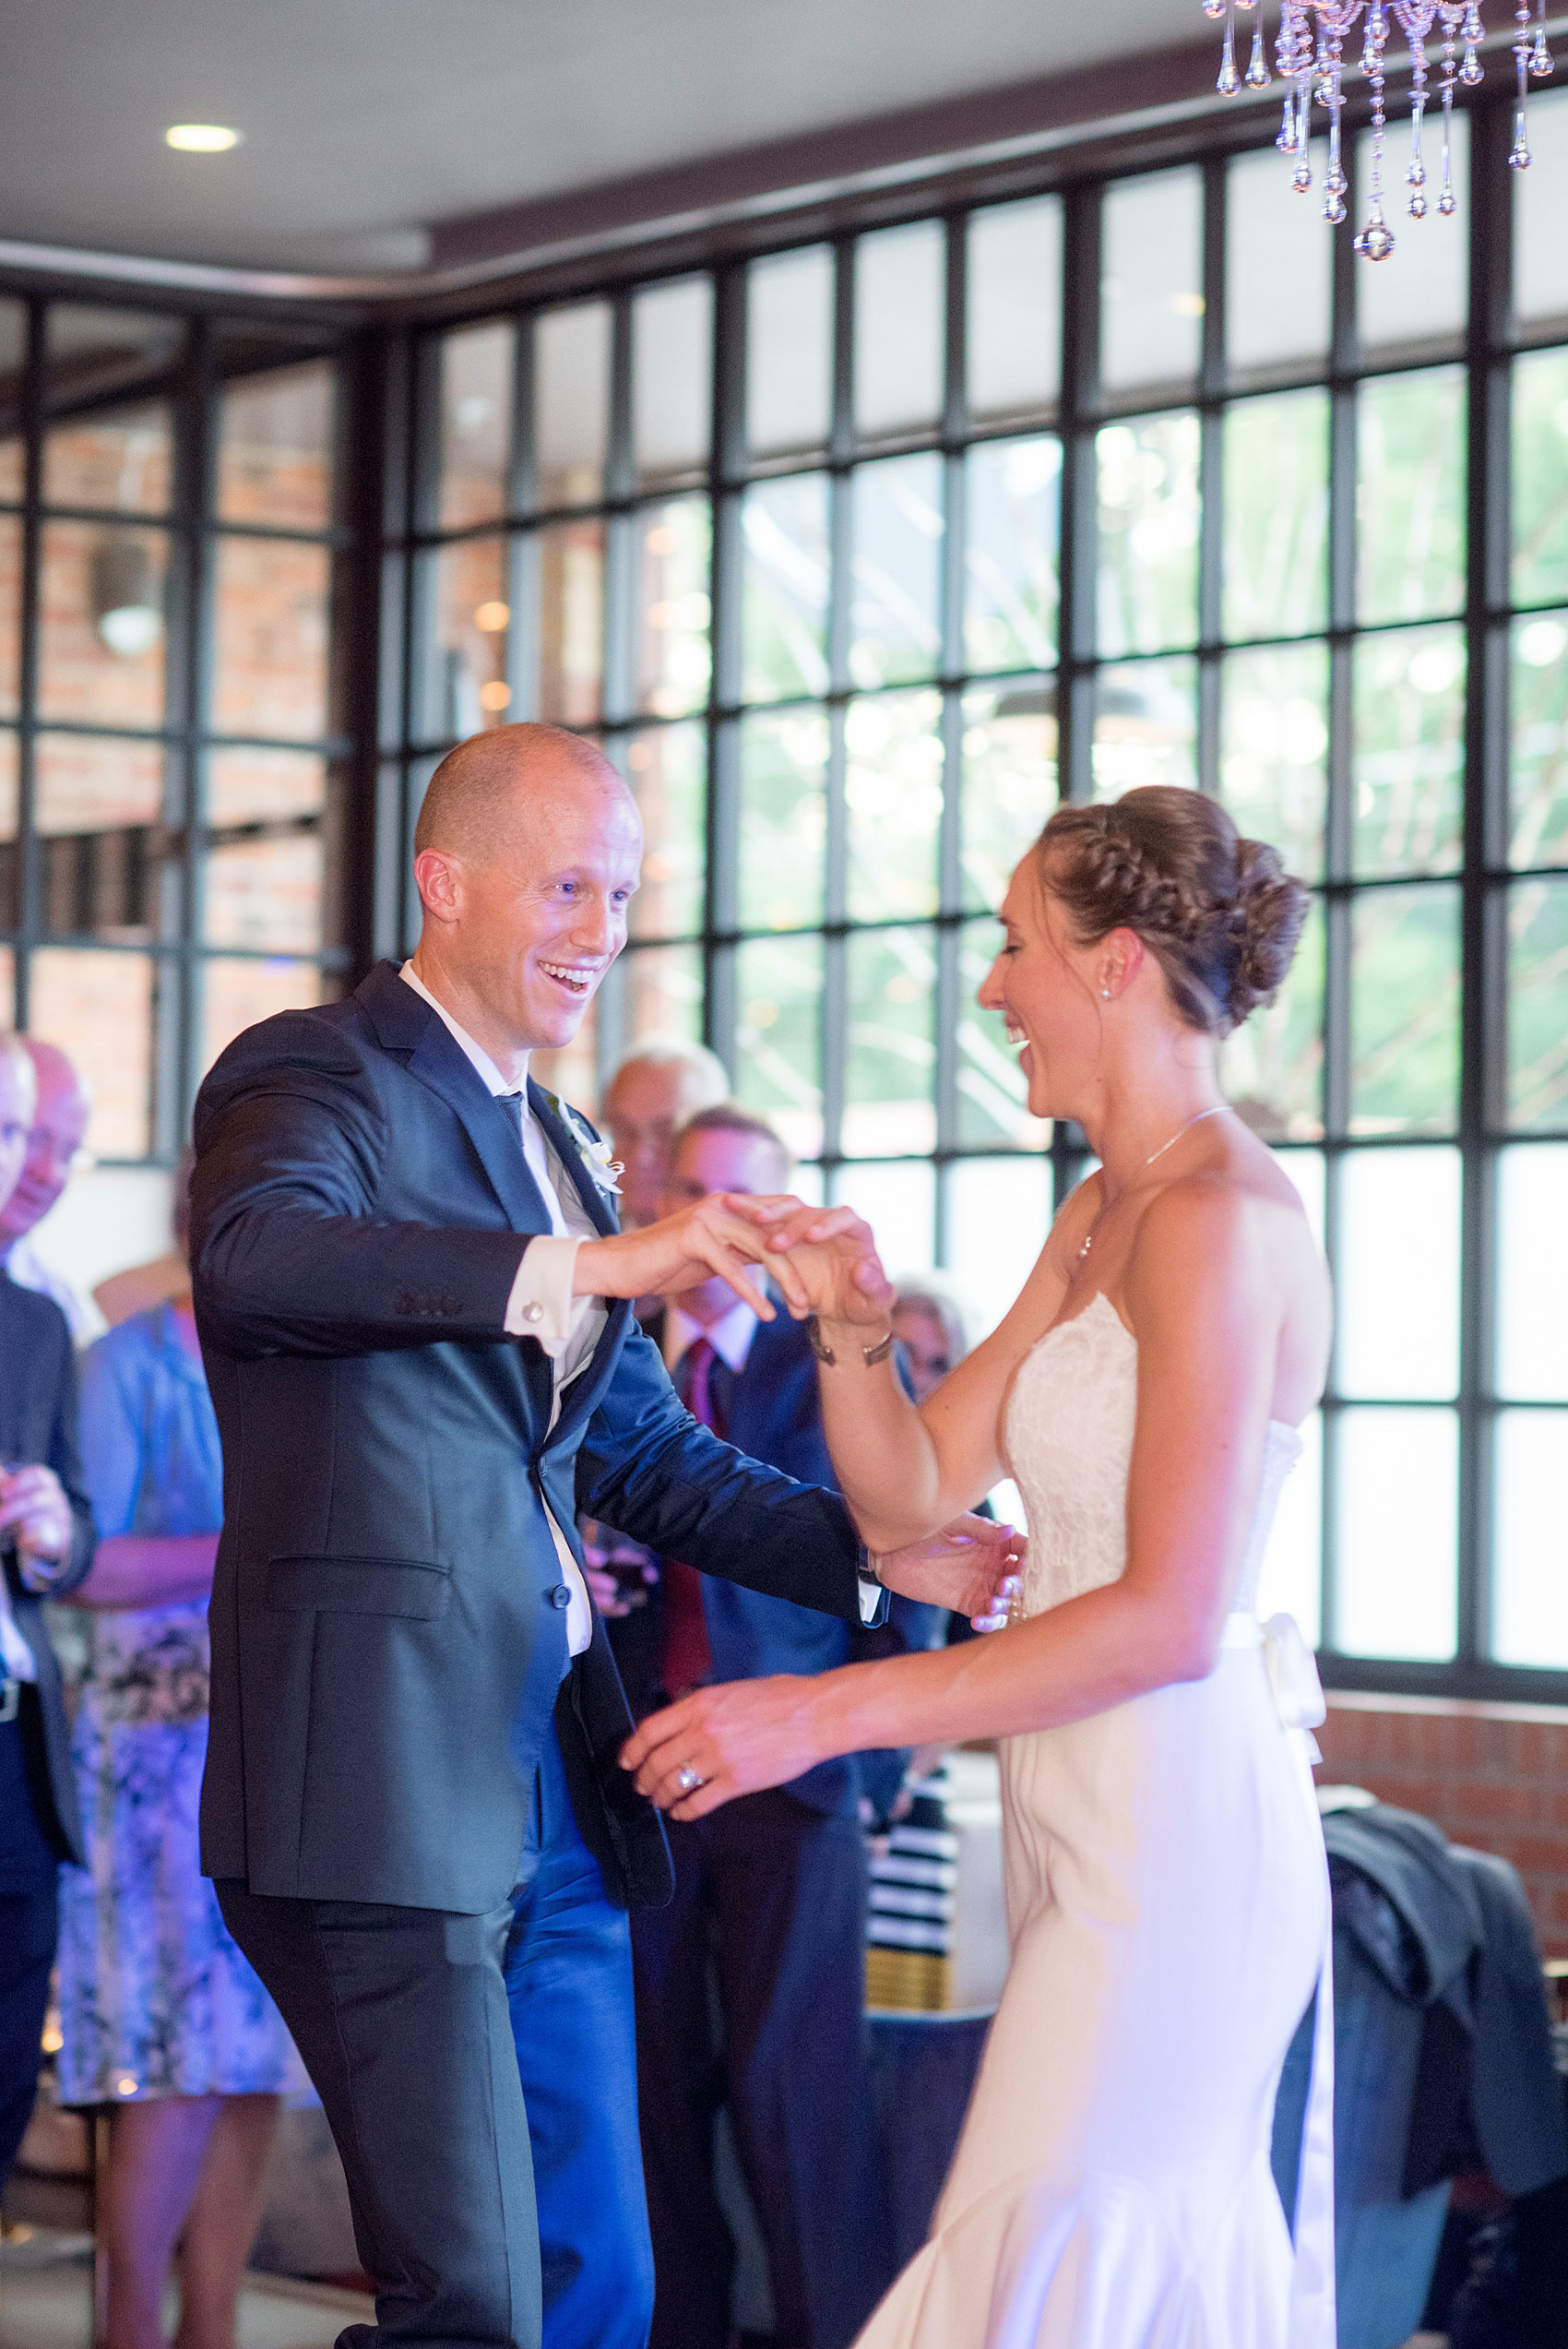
(1309,55)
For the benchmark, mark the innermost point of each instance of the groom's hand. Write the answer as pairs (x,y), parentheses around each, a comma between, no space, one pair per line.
(971,1566)
(684,1249)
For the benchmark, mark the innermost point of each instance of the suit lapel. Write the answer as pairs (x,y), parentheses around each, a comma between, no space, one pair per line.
(569,1151)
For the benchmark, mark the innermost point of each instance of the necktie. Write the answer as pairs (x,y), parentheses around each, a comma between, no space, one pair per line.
(688,1659)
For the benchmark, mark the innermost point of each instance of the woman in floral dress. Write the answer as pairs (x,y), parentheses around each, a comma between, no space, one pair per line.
(161,2015)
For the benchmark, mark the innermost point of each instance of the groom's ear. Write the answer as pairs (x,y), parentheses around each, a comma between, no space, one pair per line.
(439,876)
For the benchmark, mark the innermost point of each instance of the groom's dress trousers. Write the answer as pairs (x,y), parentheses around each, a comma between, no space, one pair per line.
(768,1920)
(413,1804)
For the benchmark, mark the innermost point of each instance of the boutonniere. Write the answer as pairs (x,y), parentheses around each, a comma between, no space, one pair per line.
(592,1148)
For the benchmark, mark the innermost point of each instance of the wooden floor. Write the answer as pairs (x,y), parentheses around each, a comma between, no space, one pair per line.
(46,2300)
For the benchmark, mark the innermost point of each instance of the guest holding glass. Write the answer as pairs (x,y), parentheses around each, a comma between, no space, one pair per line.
(161,2015)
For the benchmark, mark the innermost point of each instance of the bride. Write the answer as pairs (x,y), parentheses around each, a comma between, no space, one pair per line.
(1167,1890)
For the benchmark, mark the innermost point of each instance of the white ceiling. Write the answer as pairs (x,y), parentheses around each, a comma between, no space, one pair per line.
(365,120)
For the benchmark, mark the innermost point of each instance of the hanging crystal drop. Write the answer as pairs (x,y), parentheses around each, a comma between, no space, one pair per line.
(1230,80)
(1519,153)
(1540,56)
(1258,75)
(1214,8)
(1375,241)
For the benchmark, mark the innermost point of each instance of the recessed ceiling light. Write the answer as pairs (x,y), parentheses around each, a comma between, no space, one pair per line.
(202,139)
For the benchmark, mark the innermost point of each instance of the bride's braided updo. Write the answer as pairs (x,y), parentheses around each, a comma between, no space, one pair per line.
(1218,913)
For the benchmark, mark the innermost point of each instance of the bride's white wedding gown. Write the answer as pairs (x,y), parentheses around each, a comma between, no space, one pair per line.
(1167,1910)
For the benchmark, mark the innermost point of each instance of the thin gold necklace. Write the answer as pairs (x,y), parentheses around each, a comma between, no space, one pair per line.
(1088,1236)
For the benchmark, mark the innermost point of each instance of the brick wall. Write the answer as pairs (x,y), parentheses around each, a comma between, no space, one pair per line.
(1492,1776)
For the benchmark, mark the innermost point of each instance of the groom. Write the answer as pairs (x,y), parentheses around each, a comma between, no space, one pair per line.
(415,1312)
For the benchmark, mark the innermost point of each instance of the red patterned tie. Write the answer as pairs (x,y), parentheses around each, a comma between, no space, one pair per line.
(688,1660)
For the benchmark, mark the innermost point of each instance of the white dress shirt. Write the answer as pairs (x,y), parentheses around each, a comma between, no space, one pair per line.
(541,1304)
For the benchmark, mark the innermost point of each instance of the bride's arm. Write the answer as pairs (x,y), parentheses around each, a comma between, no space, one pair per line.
(1206,1307)
(904,1469)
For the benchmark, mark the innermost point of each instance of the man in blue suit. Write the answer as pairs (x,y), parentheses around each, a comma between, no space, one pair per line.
(772,1889)
(415,1312)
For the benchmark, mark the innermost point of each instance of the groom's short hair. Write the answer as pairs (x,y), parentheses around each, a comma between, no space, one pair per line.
(468,797)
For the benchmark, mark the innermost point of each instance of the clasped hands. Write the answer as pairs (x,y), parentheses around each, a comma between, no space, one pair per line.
(36,1515)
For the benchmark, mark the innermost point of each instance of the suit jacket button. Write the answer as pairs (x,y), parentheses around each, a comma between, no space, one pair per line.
(534,1310)
(560,1597)
(405,1304)
(450,1307)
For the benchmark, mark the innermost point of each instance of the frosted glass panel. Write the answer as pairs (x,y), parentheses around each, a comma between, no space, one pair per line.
(900,1203)
(1532,1273)
(1291,1581)
(998,1214)
(672,378)
(1398,1497)
(1151,280)
(1278,263)
(1530,1609)
(1014,291)
(1399,1273)
(900,281)
(789,351)
(571,402)
(1421,290)
(1541,202)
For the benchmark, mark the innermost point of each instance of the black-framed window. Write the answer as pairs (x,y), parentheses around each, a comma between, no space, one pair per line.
(171,743)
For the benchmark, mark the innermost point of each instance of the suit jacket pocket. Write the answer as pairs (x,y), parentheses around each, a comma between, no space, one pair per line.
(408,1587)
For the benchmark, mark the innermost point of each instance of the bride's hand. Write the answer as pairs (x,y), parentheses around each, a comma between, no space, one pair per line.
(684,1250)
(732,1739)
(831,1253)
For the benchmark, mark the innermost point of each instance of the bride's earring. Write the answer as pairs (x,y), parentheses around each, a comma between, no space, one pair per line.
(1106,993)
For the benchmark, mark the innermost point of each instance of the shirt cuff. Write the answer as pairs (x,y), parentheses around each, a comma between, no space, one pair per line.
(541,1304)
(873,1595)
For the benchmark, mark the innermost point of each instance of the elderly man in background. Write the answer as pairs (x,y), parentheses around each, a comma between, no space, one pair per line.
(647,1101)
(46,1544)
(63,1106)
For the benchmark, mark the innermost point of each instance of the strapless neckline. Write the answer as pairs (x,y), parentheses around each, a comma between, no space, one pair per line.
(1275,1426)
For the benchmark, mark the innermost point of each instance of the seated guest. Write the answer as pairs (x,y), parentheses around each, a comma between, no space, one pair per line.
(62,1108)
(45,1545)
(772,1889)
(159,2014)
(647,1101)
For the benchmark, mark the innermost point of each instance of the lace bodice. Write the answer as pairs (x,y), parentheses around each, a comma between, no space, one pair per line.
(1067,1439)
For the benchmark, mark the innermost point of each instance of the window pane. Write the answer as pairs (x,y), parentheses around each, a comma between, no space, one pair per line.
(10,612)
(1405,1010)
(1277,515)
(100,653)
(784,589)
(894,614)
(264,786)
(1420,291)
(275,448)
(783,819)
(1012,509)
(1013,293)
(667,767)
(1532,1274)
(1540,201)
(13,358)
(1145,726)
(235,994)
(1278,263)
(900,1203)
(1539,769)
(97,804)
(662,992)
(900,330)
(993,1108)
(893,787)
(1530,1606)
(569,588)
(998,1214)
(10,874)
(571,359)
(673,657)
(7,986)
(465,679)
(98,1008)
(1397,1278)
(1272,1067)
(1309,1173)
(1274,750)
(1149,534)
(671,378)
(1410,496)
(1540,477)
(1291,1580)
(779,1036)
(890,1077)
(118,457)
(1407,758)
(266,893)
(476,422)
(1151,280)
(1009,782)
(271,604)
(1537,1006)
(789,351)
(1397,1534)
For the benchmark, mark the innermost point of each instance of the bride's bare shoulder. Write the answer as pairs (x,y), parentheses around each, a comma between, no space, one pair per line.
(1238,1222)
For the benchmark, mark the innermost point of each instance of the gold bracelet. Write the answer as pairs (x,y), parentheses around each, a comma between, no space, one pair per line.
(871,1355)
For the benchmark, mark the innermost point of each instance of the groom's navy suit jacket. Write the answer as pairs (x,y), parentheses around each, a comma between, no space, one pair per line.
(388,1619)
